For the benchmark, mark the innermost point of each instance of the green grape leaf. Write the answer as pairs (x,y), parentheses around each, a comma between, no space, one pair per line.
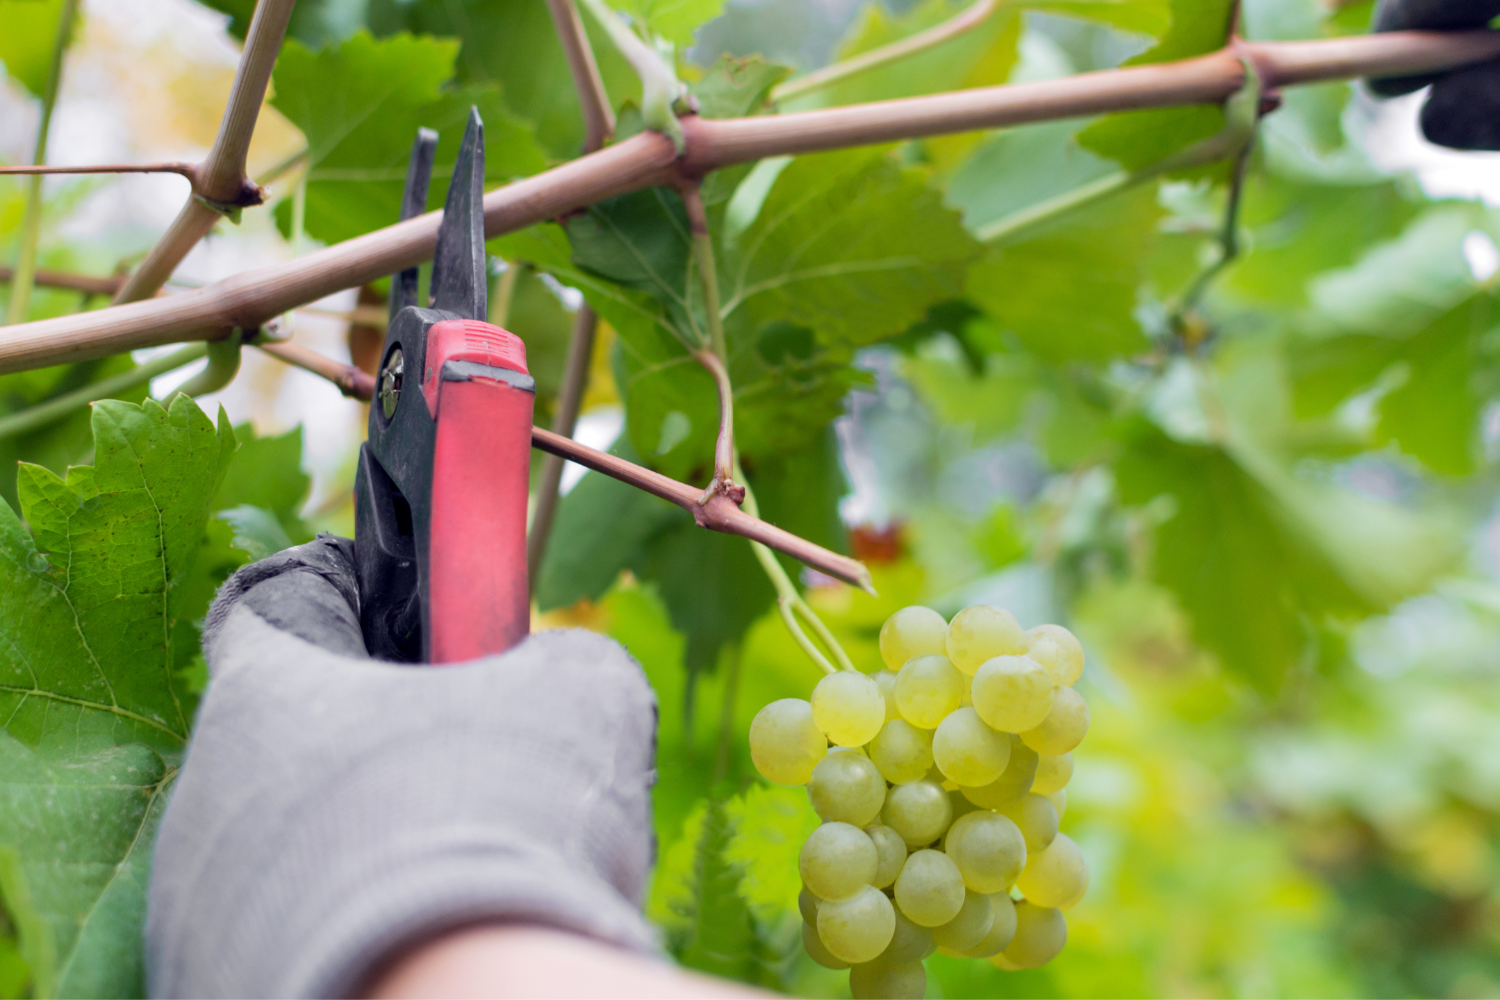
(513,43)
(257,532)
(1428,389)
(1148,17)
(1136,139)
(1261,559)
(676,21)
(641,241)
(1070,290)
(850,245)
(1019,169)
(359,104)
(267,473)
(1398,287)
(734,88)
(96,716)
(1299,230)
(65,441)
(980,57)
(26,43)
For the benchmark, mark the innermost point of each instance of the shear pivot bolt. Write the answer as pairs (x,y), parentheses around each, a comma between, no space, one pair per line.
(390,382)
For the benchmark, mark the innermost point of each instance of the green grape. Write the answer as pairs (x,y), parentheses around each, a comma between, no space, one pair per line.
(1059,800)
(913,631)
(1041,933)
(1011,693)
(848,788)
(919,812)
(989,850)
(785,744)
(848,707)
(837,861)
(927,689)
(1037,819)
(1002,928)
(1011,785)
(1049,654)
(807,903)
(1064,726)
(1055,876)
(857,929)
(1068,666)
(885,680)
(1053,771)
(969,927)
(911,942)
(818,951)
(982,633)
(890,854)
(902,752)
(929,890)
(966,700)
(882,980)
(967,751)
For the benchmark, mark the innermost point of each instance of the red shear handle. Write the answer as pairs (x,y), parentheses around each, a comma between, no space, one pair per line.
(478,597)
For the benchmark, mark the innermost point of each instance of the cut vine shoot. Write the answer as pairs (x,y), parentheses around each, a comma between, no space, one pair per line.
(940,796)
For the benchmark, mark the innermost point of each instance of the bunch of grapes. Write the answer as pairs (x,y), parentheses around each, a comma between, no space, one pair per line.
(940,798)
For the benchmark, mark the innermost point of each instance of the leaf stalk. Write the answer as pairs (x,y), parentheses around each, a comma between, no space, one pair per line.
(19,306)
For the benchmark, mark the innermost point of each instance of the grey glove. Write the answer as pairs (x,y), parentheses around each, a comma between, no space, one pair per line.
(333,808)
(1463,108)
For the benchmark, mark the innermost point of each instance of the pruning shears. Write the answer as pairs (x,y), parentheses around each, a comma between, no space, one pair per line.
(440,509)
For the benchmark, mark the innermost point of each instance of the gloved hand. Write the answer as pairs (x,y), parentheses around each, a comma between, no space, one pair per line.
(333,808)
(1463,109)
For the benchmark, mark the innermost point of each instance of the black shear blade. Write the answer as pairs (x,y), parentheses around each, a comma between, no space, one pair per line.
(458,272)
(414,203)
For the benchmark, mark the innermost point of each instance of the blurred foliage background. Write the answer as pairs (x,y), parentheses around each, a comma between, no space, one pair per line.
(1269,511)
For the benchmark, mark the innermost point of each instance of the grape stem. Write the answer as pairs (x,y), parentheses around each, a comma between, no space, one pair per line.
(715,357)
(1242,114)
(789,603)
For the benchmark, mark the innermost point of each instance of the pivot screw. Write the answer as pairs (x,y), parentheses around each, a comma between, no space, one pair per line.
(390,382)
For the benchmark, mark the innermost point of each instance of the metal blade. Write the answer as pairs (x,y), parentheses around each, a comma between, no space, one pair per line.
(458,272)
(414,203)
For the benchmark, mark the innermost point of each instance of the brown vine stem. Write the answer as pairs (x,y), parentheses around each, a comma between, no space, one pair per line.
(31,222)
(248,300)
(188,170)
(961,23)
(220,186)
(351,380)
(598,118)
(719,514)
(598,128)
(84,283)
